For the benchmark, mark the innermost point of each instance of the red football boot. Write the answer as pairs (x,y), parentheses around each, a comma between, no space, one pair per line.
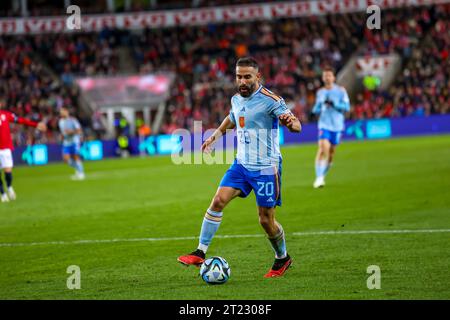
(195,258)
(279,267)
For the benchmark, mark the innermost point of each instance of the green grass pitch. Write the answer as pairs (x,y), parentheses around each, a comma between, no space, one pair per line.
(398,184)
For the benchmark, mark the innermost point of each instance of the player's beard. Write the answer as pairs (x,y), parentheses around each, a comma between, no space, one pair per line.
(245,90)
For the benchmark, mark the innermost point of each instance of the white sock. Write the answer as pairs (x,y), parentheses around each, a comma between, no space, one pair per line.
(202,247)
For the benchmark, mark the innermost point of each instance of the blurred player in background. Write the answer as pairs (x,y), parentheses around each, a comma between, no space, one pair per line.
(255,113)
(331,104)
(71,131)
(6,147)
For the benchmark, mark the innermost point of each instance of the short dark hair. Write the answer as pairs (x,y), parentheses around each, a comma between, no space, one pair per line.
(247,62)
(328,68)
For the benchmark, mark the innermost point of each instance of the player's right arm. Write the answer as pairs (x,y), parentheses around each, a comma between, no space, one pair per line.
(226,124)
(71,132)
(61,128)
(317,108)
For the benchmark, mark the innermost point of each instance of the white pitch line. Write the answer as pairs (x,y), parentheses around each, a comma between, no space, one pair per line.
(311,233)
(371,232)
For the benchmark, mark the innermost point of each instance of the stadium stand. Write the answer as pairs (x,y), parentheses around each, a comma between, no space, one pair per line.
(28,89)
(291,53)
(46,8)
(37,71)
(81,54)
(423,86)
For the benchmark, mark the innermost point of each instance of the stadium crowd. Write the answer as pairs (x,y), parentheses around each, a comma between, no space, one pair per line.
(292,59)
(37,76)
(29,90)
(81,54)
(423,85)
(291,53)
(37,72)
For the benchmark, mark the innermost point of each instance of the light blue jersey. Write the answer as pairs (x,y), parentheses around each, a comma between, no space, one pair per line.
(256,120)
(69,123)
(332,117)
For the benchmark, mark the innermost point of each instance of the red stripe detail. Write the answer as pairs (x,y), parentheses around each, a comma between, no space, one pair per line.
(271,95)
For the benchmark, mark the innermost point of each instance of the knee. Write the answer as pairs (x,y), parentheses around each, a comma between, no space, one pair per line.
(218,203)
(319,150)
(265,221)
(330,157)
(324,152)
(331,153)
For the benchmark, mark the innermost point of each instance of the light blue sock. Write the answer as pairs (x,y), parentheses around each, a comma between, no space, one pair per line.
(318,169)
(327,168)
(72,163)
(211,223)
(321,168)
(79,166)
(278,243)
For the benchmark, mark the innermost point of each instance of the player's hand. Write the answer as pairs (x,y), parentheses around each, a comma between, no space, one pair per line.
(329,103)
(287,119)
(291,122)
(207,145)
(42,126)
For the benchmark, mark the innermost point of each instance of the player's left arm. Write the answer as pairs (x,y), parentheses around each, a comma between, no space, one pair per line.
(286,117)
(26,122)
(344,103)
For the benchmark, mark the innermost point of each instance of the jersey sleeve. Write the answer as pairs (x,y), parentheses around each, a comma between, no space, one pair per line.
(16,119)
(317,108)
(11,117)
(344,102)
(277,108)
(60,126)
(231,115)
(76,124)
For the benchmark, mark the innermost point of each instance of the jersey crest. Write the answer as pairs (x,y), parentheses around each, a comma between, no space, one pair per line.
(242,122)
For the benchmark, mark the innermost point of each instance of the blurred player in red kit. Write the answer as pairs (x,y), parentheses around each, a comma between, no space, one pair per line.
(6,147)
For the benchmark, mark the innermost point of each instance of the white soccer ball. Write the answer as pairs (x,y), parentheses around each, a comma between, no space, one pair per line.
(215,270)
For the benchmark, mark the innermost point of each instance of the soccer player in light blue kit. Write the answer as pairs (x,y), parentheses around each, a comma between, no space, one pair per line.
(71,131)
(255,113)
(331,104)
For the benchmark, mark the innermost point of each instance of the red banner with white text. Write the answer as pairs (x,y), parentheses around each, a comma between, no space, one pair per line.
(201,16)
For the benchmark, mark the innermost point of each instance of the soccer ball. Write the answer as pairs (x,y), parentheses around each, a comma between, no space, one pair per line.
(215,270)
